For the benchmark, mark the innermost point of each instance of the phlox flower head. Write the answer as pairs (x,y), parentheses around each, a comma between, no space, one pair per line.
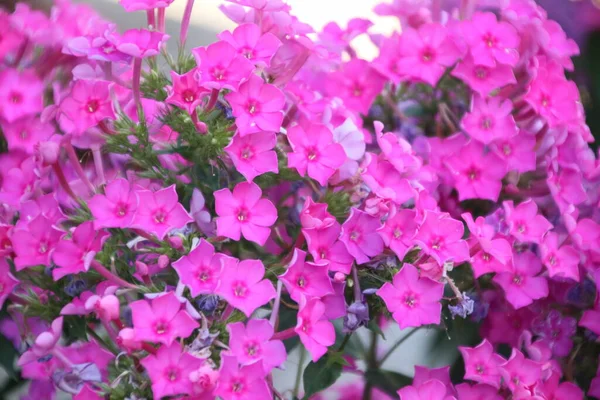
(251,344)
(20,94)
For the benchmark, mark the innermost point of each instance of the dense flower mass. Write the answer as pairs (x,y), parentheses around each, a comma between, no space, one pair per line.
(185,225)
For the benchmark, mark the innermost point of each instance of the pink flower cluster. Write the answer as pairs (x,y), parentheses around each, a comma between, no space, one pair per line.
(181,221)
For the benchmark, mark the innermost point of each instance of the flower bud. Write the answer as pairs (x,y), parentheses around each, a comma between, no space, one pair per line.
(176,242)
(48,152)
(110,307)
(163,261)
(126,339)
(141,268)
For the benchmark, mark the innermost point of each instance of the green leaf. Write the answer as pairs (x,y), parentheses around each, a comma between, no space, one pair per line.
(320,375)
(374,327)
(7,357)
(388,381)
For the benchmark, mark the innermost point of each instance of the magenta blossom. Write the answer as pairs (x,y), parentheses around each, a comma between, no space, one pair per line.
(160,212)
(315,215)
(357,83)
(141,43)
(21,94)
(88,104)
(242,285)
(161,320)
(482,364)
(33,244)
(477,392)
(440,236)
(413,300)
(169,370)
(398,231)
(426,53)
(323,245)
(306,279)
(519,372)
(490,119)
(241,383)
(428,390)
(200,270)
(483,79)
(520,281)
(316,333)
(186,92)
(248,41)
(116,208)
(491,41)
(253,155)
(244,212)
(25,134)
(221,67)
(524,222)
(479,176)
(314,152)
(251,344)
(75,256)
(359,234)
(563,261)
(257,106)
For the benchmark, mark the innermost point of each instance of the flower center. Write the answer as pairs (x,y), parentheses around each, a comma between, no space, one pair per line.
(172,374)
(301,282)
(427,54)
(473,173)
(486,123)
(247,153)
(252,107)
(410,299)
(43,248)
(160,217)
(92,106)
(436,243)
(486,257)
(507,150)
(490,40)
(517,279)
(312,154)
(188,96)
(160,328)
(481,72)
(354,236)
(23,134)
(121,210)
(357,90)
(242,215)
(15,97)
(397,233)
(219,74)
(480,369)
(252,349)
(240,290)
(521,227)
(203,276)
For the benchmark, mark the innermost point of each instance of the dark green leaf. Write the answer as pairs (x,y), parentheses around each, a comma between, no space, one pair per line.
(374,327)
(388,381)
(320,375)
(8,356)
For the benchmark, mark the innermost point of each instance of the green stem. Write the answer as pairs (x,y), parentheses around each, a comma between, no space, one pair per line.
(396,345)
(371,365)
(299,372)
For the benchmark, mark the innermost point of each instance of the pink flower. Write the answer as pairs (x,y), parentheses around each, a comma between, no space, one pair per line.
(316,333)
(141,43)
(562,262)
(518,152)
(491,41)
(11,37)
(116,208)
(186,92)
(306,279)
(482,364)
(357,84)
(412,300)
(201,269)
(359,234)
(323,245)
(315,215)
(477,392)
(7,281)
(34,243)
(74,256)
(257,106)
(314,151)
(384,179)
(88,104)
(524,222)
(398,231)
(249,43)
(242,285)
(477,175)
(137,5)
(251,344)
(169,370)
(519,372)
(44,343)
(429,390)
(520,282)
(21,94)
(253,155)
(591,320)
(557,45)
(243,212)
(241,383)
(494,254)
(426,53)
(25,134)
(490,119)
(553,97)
(221,67)
(162,320)
(552,389)
(440,236)
(160,212)
(482,79)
